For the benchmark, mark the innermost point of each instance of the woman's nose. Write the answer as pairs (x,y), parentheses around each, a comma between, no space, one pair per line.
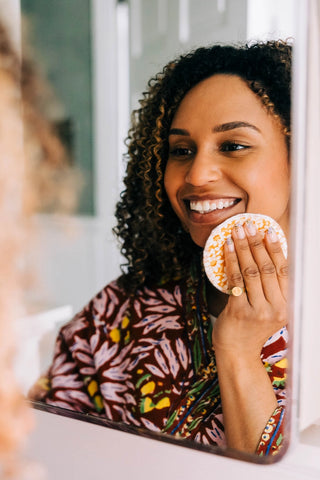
(204,169)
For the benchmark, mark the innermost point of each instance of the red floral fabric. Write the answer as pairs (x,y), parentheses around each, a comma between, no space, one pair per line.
(147,360)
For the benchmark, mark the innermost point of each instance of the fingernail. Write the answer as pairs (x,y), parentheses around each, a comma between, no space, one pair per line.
(272,235)
(250,226)
(240,231)
(230,244)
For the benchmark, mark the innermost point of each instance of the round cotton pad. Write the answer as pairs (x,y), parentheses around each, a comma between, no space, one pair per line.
(213,254)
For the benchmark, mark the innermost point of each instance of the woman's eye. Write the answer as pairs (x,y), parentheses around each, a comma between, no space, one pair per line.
(233,147)
(181,152)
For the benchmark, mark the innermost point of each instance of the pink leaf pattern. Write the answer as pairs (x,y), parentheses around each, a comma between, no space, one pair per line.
(86,371)
(77,325)
(130,399)
(137,308)
(67,381)
(120,315)
(147,361)
(132,420)
(111,391)
(149,425)
(60,358)
(99,304)
(172,359)
(115,374)
(82,357)
(61,404)
(94,339)
(82,344)
(137,360)
(63,368)
(167,296)
(105,353)
(182,353)
(155,370)
(123,354)
(161,361)
(80,397)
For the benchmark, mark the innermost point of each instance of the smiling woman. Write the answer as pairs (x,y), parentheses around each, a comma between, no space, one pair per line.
(160,347)
(227,155)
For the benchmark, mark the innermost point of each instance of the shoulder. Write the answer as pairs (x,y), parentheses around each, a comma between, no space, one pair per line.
(169,292)
(100,309)
(108,307)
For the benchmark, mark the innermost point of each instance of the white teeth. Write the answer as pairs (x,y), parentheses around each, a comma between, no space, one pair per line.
(207,206)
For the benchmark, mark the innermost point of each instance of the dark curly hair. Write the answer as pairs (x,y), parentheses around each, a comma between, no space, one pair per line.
(153,241)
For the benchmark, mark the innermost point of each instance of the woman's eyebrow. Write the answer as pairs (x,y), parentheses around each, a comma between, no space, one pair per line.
(179,131)
(224,127)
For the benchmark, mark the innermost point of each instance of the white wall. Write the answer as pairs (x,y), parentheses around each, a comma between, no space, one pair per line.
(309,334)
(271,19)
(160,30)
(10,16)
(76,256)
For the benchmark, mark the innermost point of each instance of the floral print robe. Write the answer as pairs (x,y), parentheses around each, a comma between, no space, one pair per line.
(147,360)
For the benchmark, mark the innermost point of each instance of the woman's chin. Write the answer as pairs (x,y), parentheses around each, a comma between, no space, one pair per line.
(200,238)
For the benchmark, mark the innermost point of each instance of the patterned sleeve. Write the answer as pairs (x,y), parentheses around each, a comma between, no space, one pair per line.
(64,384)
(275,361)
(71,381)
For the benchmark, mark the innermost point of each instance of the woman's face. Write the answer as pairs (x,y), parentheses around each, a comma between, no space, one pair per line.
(227,155)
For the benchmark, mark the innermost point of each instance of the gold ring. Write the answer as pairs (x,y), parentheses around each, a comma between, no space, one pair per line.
(236,291)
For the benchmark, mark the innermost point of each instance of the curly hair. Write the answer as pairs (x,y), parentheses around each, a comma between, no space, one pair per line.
(153,241)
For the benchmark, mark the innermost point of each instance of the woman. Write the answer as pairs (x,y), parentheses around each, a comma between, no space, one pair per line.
(161,347)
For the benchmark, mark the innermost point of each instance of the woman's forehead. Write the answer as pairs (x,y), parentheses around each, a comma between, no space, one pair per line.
(225,102)
(220,82)
(218,95)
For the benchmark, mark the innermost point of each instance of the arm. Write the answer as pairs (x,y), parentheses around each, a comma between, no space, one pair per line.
(248,400)
(247,394)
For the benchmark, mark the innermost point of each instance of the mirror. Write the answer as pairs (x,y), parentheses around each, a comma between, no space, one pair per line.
(74,50)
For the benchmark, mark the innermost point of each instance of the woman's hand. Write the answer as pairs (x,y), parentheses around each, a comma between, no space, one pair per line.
(250,319)
(245,324)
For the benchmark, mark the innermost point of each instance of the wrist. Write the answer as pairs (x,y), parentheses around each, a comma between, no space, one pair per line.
(237,357)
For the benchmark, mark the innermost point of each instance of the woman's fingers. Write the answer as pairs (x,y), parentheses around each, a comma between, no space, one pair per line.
(277,256)
(262,263)
(265,264)
(247,266)
(258,265)
(233,271)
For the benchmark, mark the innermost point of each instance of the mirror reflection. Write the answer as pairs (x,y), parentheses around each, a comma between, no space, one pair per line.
(170,346)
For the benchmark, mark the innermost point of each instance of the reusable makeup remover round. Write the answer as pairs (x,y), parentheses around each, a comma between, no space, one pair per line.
(213,254)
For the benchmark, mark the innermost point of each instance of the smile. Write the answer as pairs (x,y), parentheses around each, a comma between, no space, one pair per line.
(207,206)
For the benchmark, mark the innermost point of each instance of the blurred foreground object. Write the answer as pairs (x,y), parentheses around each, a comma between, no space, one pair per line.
(15,419)
(34,175)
